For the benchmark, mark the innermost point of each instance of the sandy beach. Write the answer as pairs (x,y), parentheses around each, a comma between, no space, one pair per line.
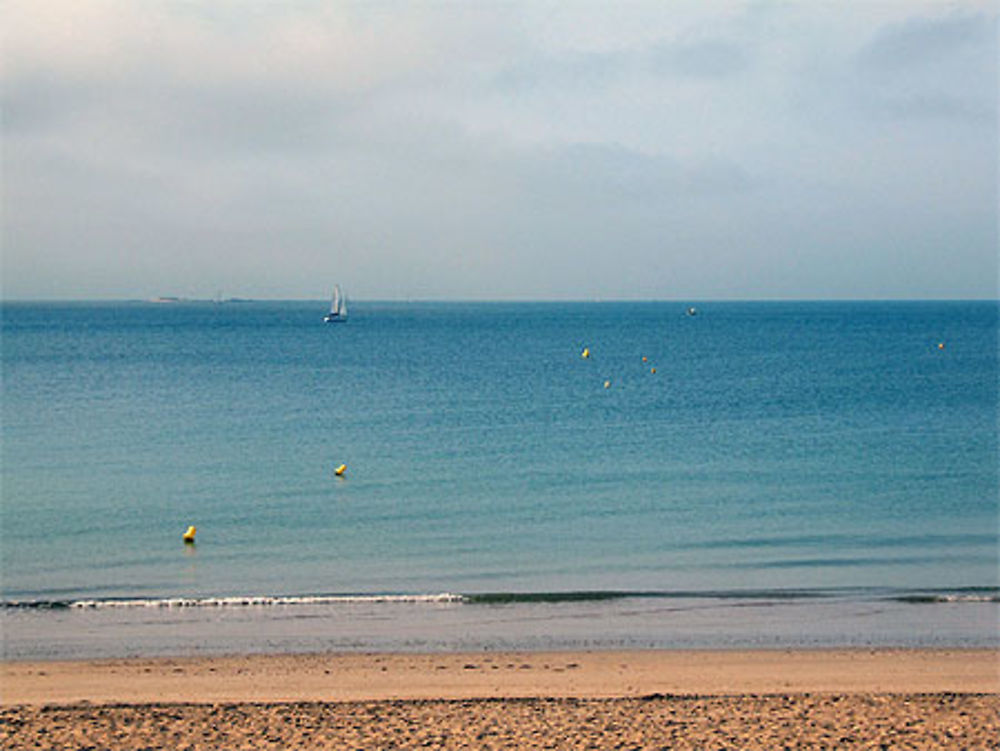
(947,698)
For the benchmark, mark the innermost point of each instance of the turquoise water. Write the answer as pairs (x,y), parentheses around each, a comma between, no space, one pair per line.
(830,451)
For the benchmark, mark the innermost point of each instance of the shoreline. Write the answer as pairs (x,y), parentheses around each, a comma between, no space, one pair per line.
(579,674)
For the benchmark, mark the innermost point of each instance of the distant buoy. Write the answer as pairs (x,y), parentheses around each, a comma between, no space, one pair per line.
(940,345)
(607,384)
(644,359)
(189,535)
(652,370)
(585,354)
(339,471)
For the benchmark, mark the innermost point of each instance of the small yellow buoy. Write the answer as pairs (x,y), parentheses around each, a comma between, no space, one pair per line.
(652,370)
(339,471)
(189,535)
(644,358)
(940,345)
(607,384)
(585,354)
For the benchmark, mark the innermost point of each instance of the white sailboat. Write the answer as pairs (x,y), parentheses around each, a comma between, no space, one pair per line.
(338,307)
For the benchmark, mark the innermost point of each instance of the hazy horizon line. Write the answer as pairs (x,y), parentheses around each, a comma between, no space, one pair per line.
(180,300)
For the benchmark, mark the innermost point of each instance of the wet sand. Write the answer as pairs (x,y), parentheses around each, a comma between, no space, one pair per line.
(636,699)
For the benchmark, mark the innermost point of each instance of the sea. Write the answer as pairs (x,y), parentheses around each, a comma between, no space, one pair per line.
(530,476)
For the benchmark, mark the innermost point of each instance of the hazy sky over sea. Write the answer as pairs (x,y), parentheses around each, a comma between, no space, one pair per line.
(515,150)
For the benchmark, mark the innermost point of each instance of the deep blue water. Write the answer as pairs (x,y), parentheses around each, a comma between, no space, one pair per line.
(822,449)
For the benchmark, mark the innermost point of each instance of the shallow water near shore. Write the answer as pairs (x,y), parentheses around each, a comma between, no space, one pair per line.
(705,622)
(791,473)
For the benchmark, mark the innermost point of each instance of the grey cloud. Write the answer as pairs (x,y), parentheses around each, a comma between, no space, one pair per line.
(927,69)
(707,59)
(161,115)
(252,121)
(935,106)
(927,40)
(36,104)
(609,173)
(575,70)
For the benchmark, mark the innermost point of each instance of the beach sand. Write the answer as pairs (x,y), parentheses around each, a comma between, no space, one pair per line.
(635,699)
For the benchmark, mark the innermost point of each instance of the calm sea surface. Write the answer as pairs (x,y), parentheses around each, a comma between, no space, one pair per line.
(791,473)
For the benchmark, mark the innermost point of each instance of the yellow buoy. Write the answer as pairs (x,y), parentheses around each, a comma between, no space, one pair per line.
(607,384)
(652,370)
(644,359)
(189,535)
(940,345)
(585,354)
(339,471)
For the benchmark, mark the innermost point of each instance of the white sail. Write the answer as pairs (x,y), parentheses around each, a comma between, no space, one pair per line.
(338,306)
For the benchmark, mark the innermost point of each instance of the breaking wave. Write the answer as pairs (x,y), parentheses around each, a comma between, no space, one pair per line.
(913,597)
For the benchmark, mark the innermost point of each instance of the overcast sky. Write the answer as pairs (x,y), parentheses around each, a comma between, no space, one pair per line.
(499,150)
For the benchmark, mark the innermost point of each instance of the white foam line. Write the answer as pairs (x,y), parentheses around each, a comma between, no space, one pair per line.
(264,601)
(967,598)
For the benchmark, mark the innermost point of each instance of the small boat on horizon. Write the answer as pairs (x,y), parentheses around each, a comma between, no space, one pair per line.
(338,307)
